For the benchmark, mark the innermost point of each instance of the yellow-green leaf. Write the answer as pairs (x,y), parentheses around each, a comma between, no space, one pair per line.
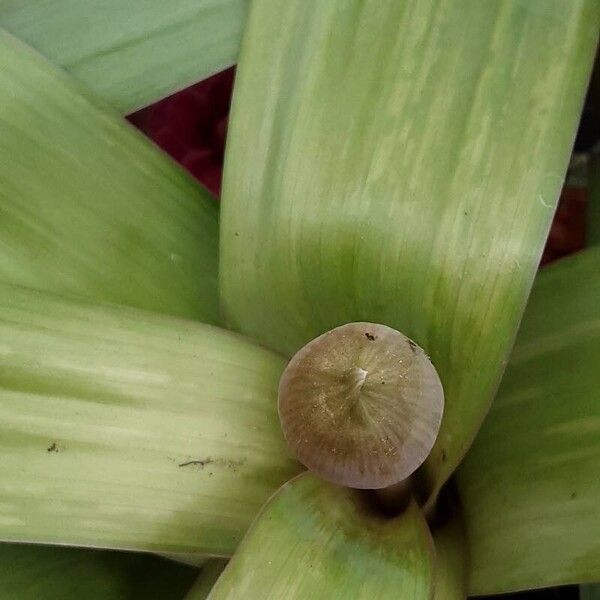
(89,207)
(399,161)
(317,540)
(529,486)
(126,429)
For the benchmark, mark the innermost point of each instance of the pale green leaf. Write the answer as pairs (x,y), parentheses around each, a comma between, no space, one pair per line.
(88,206)
(317,540)
(529,486)
(399,162)
(125,429)
(29,572)
(206,580)
(131,52)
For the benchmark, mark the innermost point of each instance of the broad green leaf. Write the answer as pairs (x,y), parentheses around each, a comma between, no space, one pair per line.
(593,216)
(529,486)
(317,540)
(126,429)
(206,580)
(451,561)
(88,206)
(131,52)
(29,572)
(399,161)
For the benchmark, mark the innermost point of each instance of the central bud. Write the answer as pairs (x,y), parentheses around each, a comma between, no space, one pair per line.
(361,405)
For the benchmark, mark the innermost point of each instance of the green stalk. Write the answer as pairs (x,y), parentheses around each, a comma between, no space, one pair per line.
(399,162)
(451,561)
(90,207)
(529,486)
(125,429)
(206,580)
(134,52)
(316,540)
